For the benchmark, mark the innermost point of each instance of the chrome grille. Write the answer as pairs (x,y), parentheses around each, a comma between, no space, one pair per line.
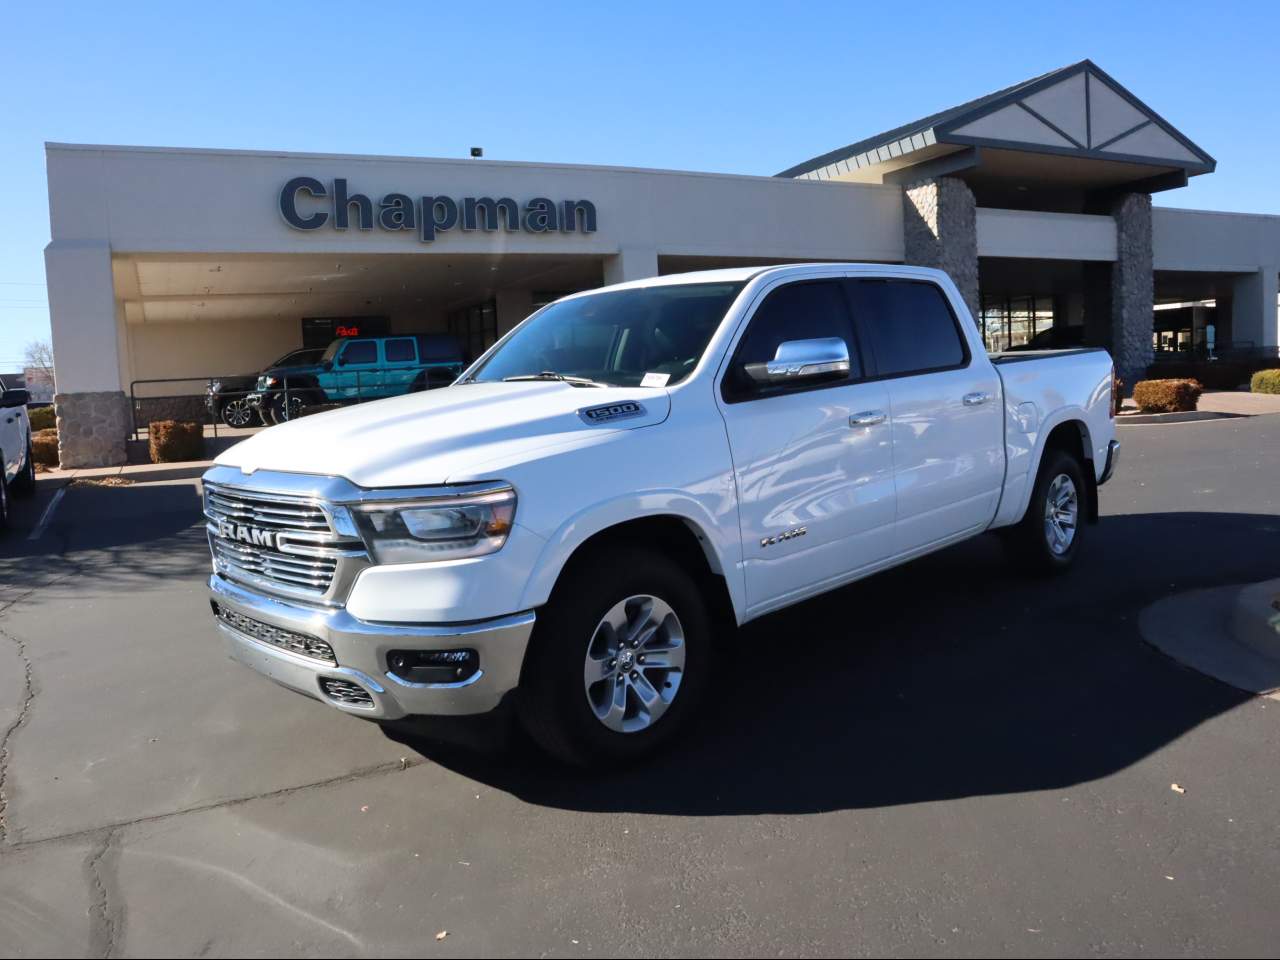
(299,643)
(343,691)
(281,544)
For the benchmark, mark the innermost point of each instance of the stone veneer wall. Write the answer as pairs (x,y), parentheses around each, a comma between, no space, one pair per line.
(1132,288)
(940,230)
(92,428)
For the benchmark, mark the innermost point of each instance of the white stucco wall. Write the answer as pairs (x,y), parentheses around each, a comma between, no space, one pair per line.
(1046,236)
(120,200)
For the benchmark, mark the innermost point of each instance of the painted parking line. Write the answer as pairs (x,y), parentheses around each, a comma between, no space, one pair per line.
(48,514)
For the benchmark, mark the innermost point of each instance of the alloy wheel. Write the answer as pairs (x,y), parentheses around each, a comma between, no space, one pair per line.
(1061,514)
(634,663)
(237,413)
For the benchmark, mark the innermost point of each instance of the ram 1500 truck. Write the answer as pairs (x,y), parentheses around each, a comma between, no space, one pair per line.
(17,466)
(626,475)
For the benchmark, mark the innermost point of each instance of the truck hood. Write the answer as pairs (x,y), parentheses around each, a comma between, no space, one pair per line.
(445,435)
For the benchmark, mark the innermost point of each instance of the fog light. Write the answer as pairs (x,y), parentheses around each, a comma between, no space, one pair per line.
(433,666)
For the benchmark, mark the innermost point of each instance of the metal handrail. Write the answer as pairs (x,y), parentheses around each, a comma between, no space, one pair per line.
(361,383)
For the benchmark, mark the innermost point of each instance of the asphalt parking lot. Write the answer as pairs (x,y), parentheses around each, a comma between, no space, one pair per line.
(946,759)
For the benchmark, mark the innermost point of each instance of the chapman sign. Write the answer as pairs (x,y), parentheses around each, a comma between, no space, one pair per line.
(306,204)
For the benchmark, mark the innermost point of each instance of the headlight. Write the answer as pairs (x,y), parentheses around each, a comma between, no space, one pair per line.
(270,381)
(445,528)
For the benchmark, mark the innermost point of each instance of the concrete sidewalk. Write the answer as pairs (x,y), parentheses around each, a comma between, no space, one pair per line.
(137,472)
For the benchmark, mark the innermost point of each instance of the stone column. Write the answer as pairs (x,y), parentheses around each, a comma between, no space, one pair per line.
(940,230)
(1132,288)
(92,428)
(90,404)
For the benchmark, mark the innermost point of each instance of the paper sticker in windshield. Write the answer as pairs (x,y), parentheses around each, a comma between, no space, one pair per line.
(609,412)
(655,379)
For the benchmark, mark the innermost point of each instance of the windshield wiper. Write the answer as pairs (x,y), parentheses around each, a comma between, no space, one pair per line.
(552,375)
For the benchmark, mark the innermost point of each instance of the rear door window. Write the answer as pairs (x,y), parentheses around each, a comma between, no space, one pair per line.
(402,350)
(908,325)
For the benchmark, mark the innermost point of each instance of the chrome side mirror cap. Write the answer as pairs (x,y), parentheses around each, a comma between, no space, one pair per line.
(801,361)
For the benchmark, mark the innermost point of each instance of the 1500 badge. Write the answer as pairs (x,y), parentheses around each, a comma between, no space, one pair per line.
(785,535)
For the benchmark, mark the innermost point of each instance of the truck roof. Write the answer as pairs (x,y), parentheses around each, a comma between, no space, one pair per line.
(742,274)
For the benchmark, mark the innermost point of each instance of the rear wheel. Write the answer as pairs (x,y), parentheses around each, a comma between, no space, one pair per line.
(290,408)
(24,485)
(1048,537)
(619,658)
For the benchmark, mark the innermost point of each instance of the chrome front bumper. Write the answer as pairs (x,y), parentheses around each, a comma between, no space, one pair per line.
(361,649)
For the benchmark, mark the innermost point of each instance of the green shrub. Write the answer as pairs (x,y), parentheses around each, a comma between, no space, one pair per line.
(1166,396)
(173,441)
(41,418)
(44,447)
(1265,381)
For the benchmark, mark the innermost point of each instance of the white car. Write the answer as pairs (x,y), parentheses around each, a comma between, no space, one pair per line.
(626,475)
(17,468)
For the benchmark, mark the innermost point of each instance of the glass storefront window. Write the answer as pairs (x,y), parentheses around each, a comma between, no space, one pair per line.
(1009,322)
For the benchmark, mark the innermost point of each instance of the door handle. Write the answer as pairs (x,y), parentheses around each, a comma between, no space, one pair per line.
(975,399)
(867,418)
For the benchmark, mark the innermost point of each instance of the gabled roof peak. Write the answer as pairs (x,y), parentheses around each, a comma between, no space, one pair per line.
(1077,110)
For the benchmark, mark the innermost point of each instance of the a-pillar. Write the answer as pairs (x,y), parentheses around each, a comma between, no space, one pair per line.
(90,404)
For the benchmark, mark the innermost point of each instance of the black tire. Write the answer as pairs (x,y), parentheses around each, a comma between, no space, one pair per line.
(24,485)
(553,699)
(237,413)
(298,403)
(1031,543)
(4,498)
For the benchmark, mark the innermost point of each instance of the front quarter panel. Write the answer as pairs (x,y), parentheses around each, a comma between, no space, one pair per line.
(679,468)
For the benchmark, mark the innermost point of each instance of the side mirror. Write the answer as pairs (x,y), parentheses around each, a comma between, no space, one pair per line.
(15,398)
(802,361)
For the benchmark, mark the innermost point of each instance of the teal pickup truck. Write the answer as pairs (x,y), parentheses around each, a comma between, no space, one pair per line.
(357,369)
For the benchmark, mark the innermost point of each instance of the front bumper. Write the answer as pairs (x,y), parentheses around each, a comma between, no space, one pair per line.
(361,647)
(1113,460)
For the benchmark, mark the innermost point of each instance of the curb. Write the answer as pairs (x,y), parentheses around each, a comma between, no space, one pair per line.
(1255,621)
(1199,630)
(1188,416)
(139,473)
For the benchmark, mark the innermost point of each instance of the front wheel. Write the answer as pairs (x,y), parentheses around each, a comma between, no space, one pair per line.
(4,498)
(1047,538)
(24,484)
(237,413)
(619,658)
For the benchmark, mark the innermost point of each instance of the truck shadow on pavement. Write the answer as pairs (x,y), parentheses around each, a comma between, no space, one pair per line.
(949,677)
(114,535)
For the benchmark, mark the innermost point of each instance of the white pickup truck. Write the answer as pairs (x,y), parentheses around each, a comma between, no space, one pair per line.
(17,467)
(582,517)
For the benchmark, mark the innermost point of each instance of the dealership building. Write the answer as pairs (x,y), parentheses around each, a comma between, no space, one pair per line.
(167,264)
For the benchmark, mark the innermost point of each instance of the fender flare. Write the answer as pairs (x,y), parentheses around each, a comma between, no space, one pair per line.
(723,554)
(1050,423)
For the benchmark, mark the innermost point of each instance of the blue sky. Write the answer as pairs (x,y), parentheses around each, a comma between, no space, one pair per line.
(734,87)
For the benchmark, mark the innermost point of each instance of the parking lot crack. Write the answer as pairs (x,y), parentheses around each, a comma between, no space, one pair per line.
(26,700)
(378,770)
(106,912)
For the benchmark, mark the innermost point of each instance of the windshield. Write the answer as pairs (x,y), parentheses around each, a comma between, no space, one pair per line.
(650,336)
(297,358)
